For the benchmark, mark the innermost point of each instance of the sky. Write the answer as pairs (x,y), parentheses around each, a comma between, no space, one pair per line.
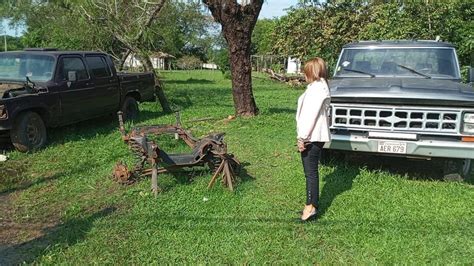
(276,8)
(270,9)
(10,31)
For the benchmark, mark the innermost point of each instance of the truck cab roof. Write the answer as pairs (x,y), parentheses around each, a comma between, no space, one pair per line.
(400,43)
(53,52)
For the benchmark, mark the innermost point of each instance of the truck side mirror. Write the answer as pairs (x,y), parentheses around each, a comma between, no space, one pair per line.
(71,76)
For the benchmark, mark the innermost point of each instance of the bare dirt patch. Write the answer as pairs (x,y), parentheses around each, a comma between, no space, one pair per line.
(14,179)
(13,233)
(12,173)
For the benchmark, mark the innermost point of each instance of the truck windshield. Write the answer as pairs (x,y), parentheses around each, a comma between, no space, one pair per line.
(421,62)
(16,67)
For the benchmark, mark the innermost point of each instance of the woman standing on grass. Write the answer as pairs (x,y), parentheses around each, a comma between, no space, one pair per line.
(312,126)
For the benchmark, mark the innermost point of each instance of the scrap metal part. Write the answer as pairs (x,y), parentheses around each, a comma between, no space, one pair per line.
(121,173)
(151,160)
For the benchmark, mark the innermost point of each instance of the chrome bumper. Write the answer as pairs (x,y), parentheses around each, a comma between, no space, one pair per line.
(420,148)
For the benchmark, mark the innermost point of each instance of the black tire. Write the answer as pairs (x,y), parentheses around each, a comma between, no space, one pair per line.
(458,170)
(130,109)
(28,132)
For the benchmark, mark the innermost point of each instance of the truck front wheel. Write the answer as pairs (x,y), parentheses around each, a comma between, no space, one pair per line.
(459,169)
(28,132)
(130,109)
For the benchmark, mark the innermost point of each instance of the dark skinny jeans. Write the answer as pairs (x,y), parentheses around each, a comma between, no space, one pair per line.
(310,157)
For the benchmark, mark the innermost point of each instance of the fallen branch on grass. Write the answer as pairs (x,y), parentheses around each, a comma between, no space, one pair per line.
(291,80)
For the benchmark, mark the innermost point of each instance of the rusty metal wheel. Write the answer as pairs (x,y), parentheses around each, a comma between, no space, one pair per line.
(121,174)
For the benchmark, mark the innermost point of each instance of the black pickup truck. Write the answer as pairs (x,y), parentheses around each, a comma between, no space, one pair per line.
(42,88)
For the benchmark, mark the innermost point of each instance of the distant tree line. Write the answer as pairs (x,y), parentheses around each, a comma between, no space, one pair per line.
(314,29)
(13,43)
(179,28)
(219,30)
(185,28)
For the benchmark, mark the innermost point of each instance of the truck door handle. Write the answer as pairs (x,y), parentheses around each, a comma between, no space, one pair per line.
(89,83)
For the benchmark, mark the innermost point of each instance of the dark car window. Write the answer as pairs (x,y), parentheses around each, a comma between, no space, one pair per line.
(73,64)
(98,66)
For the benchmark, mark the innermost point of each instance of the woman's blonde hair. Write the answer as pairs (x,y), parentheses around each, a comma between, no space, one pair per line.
(315,69)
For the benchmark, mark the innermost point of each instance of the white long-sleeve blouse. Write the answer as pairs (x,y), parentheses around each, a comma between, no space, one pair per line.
(312,120)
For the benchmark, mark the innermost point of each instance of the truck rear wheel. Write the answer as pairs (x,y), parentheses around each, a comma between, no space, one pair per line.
(28,132)
(130,109)
(459,169)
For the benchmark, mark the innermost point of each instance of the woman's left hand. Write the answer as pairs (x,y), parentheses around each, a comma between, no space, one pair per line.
(301,146)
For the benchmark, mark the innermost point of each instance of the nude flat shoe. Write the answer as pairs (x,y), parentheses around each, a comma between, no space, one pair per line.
(311,217)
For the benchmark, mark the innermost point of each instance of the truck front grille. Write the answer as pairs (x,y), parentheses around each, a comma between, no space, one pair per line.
(392,118)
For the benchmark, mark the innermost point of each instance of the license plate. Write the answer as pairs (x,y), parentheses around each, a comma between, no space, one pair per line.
(392,147)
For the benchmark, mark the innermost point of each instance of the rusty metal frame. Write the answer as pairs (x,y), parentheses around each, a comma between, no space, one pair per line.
(210,150)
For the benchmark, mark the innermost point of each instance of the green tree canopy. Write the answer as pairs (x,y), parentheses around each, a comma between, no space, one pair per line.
(180,28)
(262,41)
(315,29)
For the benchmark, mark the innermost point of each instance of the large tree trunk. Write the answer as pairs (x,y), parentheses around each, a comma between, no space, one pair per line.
(238,22)
(161,96)
(241,70)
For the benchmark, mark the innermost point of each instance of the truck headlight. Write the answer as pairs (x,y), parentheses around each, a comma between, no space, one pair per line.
(3,112)
(468,123)
(469,118)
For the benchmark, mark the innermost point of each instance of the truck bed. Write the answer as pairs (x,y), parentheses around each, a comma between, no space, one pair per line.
(129,76)
(140,82)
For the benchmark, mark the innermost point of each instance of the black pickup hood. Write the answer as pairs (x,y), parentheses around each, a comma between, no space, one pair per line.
(416,91)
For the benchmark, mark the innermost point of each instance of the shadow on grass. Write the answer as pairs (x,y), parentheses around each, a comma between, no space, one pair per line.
(181,100)
(16,177)
(347,168)
(13,185)
(185,176)
(190,81)
(145,115)
(243,174)
(413,169)
(95,127)
(83,130)
(69,233)
(276,110)
(336,183)
(87,129)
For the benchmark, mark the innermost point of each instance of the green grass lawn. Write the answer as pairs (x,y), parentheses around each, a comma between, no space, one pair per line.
(59,205)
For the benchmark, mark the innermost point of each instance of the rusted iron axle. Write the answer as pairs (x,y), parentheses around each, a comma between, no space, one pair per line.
(210,150)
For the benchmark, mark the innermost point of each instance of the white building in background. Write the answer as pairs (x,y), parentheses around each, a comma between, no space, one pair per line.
(132,62)
(159,60)
(294,66)
(209,66)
